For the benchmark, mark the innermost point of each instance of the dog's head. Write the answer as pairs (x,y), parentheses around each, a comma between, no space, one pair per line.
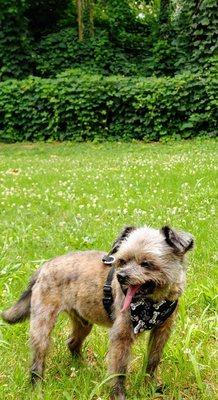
(149,259)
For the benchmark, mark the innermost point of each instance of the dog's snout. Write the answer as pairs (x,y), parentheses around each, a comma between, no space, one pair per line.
(121,276)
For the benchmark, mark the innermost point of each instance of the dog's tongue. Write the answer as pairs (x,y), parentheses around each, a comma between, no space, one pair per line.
(129,295)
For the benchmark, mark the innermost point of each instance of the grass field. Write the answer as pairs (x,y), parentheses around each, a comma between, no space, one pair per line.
(59,197)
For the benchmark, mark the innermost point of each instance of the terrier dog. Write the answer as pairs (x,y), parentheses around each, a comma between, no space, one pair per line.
(135,287)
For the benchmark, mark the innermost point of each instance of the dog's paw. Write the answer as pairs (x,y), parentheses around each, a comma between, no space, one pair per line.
(117,394)
(120,396)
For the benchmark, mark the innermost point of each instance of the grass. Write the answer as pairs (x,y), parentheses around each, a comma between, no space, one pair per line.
(59,197)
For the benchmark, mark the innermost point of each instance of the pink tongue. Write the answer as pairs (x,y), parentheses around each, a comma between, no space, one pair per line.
(129,295)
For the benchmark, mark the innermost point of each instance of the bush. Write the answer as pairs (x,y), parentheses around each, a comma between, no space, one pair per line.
(195,40)
(16,54)
(77,106)
(58,51)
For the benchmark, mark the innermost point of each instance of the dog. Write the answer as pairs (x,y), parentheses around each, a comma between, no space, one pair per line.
(134,287)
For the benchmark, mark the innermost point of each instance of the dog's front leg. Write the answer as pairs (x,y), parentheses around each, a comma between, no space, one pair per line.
(157,340)
(121,339)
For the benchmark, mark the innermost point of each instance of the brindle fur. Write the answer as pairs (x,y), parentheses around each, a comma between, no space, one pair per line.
(74,283)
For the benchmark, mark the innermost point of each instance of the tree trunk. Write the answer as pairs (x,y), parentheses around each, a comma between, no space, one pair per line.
(80,19)
(85,18)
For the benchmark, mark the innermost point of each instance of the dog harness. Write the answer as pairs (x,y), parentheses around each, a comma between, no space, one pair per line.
(145,313)
(107,292)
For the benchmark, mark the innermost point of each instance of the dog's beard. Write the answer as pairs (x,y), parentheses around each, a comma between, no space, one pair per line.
(131,290)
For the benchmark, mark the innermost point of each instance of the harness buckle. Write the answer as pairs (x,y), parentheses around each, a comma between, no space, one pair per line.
(107,291)
(107,303)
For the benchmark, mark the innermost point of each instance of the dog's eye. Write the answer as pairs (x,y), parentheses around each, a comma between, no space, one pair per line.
(145,264)
(122,262)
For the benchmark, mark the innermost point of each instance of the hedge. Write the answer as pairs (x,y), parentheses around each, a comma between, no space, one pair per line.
(77,106)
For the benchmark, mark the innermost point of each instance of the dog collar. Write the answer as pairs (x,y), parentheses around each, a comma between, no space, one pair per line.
(147,314)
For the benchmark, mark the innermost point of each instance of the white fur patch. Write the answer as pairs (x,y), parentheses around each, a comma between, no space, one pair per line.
(144,239)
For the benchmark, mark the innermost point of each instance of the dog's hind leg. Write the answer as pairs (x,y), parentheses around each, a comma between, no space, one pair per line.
(80,330)
(42,321)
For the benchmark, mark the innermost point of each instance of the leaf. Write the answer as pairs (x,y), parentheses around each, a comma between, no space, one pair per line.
(205,21)
(186,125)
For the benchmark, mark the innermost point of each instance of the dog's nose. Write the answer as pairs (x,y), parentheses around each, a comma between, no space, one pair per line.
(121,276)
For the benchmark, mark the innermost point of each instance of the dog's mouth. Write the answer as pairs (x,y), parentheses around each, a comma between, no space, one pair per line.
(131,291)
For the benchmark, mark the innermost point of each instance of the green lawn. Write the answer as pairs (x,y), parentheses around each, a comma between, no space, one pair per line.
(59,197)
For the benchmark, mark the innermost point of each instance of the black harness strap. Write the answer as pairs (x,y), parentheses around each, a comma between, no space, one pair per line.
(107,292)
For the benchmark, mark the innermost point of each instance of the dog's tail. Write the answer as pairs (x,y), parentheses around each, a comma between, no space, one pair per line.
(21,310)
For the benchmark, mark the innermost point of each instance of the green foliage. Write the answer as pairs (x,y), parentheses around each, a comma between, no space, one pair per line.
(45,16)
(196,34)
(163,58)
(41,37)
(59,51)
(78,106)
(82,103)
(15,42)
(163,53)
(21,23)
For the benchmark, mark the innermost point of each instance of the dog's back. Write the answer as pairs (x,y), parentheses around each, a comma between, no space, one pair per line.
(75,281)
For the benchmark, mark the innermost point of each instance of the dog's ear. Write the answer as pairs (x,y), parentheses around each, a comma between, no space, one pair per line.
(109,259)
(180,241)
(122,236)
